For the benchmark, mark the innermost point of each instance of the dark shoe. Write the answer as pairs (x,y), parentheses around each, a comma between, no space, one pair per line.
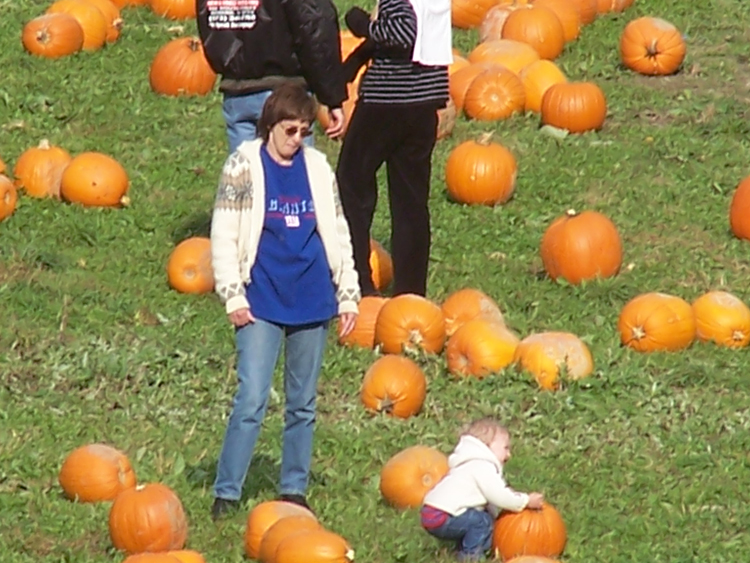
(296,499)
(223,506)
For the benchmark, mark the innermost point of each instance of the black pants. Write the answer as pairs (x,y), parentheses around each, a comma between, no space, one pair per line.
(403,137)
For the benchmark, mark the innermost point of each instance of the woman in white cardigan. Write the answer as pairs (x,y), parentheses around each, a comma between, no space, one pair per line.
(283,266)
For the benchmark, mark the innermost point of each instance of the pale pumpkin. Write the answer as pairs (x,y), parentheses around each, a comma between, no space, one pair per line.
(95,473)
(410,322)
(467,304)
(39,170)
(722,318)
(548,355)
(408,475)
(657,321)
(189,268)
(529,532)
(652,46)
(394,385)
(513,55)
(480,348)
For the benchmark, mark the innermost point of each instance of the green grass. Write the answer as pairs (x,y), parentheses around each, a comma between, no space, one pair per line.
(646,460)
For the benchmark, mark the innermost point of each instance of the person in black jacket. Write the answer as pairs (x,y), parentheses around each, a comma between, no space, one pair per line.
(257,44)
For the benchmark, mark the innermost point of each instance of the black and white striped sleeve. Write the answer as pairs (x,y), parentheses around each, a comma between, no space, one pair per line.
(396,24)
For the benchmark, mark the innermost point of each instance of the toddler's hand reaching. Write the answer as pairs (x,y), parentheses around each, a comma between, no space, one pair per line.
(535,501)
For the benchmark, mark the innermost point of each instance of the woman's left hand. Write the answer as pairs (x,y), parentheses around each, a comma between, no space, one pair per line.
(346,323)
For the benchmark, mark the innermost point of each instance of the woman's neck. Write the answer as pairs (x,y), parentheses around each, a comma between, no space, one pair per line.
(277,157)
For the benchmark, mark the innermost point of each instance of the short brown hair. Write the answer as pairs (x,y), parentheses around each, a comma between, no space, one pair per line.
(484,429)
(289,100)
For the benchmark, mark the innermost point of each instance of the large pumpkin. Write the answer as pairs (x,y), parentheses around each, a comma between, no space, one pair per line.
(656,321)
(111,15)
(381,266)
(174,9)
(147,518)
(537,79)
(461,79)
(90,18)
(739,210)
(189,267)
(187,556)
(652,46)
(513,55)
(530,532)
(314,546)
(492,24)
(408,322)
(546,354)
(567,13)
(574,106)
(722,318)
(95,179)
(180,68)
(407,476)
(39,170)
(284,528)
(494,94)
(52,35)
(8,197)
(581,246)
(538,27)
(588,10)
(467,304)
(363,334)
(481,172)
(96,472)
(265,515)
(394,385)
(467,14)
(479,348)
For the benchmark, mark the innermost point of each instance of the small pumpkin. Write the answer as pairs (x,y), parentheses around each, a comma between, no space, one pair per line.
(265,515)
(314,546)
(95,179)
(8,197)
(111,14)
(529,532)
(381,266)
(189,268)
(174,9)
(147,518)
(537,79)
(52,36)
(96,472)
(284,528)
(187,556)
(394,385)
(722,318)
(408,475)
(363,334)
(90,18)
(652,46)
(538,27)
(39,170)
(513,55)
(496,93)
(656,321)
(546,354)
(467,14)
(180,68)
(480,348)
(408,322)
(467,304)
(739,210)
(574,106)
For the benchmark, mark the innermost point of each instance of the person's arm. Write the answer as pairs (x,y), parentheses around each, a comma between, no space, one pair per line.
(348,292)
(497,492)
(395,25)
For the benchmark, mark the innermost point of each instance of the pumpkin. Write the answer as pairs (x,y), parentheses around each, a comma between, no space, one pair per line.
(480,172)
(180,68)
(285,527)
(468,304)
(408,322)
(459,81)
(652,46)
(446,119)
(314,546)
(546,354)
(492,24)
(513,55)
(2,166)
(606,6)
(130,3)
(89,17)
(147,518)
(96,472)
(95,179)
(265,515)
(581,246)
(349,42)
(538,27)
(189,267)
(536,79)
(458,63)
(497,93)
(479,348)
(187,556)
(656,321)
(394,385)
(567,13)
(407,476)
(52,36)
(174,9)
(722,318)
(575,106)
(164,557)
(39,169)
(8,197)
(111,14)
(739,210)
(381,266)
(529,532)
(532,559)
(363,334)
(466,14)
(588,10)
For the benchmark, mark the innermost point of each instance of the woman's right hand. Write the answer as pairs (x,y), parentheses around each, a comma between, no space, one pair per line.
(535,501)
(241,317)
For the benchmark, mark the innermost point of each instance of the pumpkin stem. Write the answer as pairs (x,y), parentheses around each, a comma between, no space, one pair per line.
(638,332)
(349,554)
(386,405)
(738,336)
(44,144)
(194,44)
(651,50)
(485,138)
(571,212)
(125,201)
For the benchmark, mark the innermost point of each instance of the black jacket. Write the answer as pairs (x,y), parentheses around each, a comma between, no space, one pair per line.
(253,44)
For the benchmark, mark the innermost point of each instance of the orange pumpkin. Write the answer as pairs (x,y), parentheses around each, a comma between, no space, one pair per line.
(497,93)
(408,322)
(538,27)
(536,79)
(446,119)
(479,348)
(39,170)
(394,385)
(588,10)
(189,267)
(723,318)
(581,246)
(89,17)
(458,63)
(8,197)
(468,304)
(513,55)
(606,6)
(180,68)
(95,179)
(284,528)
(656,321)
(546,354)
(314,546)
(265,515)
(174,9)
(467,14)
(459,81)
(165,557)
(2,166)
(111,14)
(52,36)
(407,476)
(363,334)
(96,472)
(568,15)
(739,210)
(532,559)
(529,532)
(480,172)
(147,518)
(575,106)
(652,46)
(187,556)
(492,24)
(381,266)
(130,3)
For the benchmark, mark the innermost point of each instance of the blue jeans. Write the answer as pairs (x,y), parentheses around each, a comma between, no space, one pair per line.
(258,347)
(472,531)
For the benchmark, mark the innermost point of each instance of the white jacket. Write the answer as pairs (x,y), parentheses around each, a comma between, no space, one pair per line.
(239,214)
(474,480)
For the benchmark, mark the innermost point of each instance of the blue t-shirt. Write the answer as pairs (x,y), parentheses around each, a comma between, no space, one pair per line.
(291,279)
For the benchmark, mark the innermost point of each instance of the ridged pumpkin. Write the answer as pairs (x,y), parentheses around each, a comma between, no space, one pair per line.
(538,27)
(480,172)
(722,318)
(187,556)
(174,9)
(8,197)
(111,15)
(314,546)
(409,322)
(265,515)
(147,518)
(180,68)
(588,10)
(52,36)
(568,15)
(581,246)
(467,14)
(530,532)
(574,106)
(284,528)
(652,46)
(459,81)
(394,385)
(513,55)
(89,17)
(656,321)
(164,557)
(479,348)
(381,266)
(492,24)
(546,354)
(39,170)
(537,79)
(497,93)
(189,267)
(363,334)
(407,476)
(95,179)
(96,472)
(467,304)
(739,210)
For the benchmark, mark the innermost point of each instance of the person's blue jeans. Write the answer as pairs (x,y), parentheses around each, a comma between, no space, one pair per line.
(258,347)
(472,531)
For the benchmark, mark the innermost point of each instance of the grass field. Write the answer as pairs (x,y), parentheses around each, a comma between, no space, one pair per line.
(646,460)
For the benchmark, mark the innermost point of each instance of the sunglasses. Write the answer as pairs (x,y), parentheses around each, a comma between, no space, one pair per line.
(292,130)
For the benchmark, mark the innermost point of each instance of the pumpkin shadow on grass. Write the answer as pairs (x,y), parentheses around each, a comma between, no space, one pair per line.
(262,477)
(199,225)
